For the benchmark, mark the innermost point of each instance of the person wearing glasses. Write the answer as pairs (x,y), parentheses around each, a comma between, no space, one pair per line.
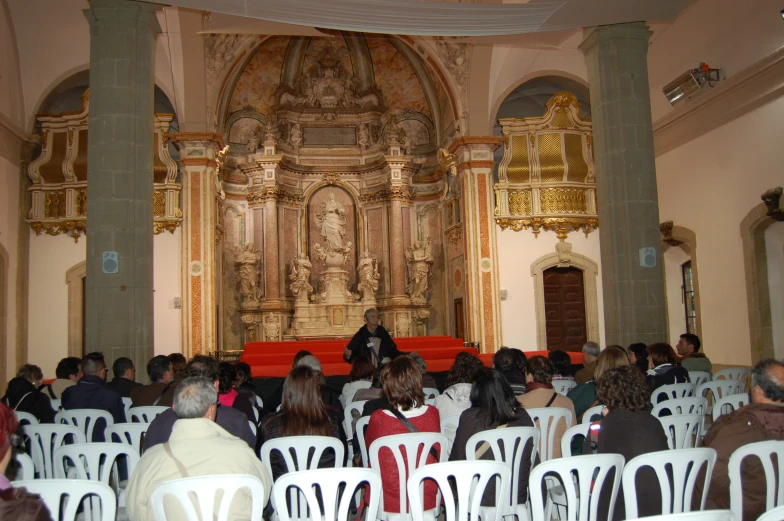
(24,394)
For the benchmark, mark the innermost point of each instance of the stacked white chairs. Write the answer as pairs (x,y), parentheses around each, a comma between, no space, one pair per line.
(699,377)
(360,427)
(677,472)
(431,393)
(777,514)
(688,405)
(564,386)
(719,389)
(351,414)
(741,374)
(547,419)
(25,466)
(507,446)
(56,404)
(705,515)
(410,452)
(471,479)
(582,479)
(728,404)
(25,418)
(672,392)
(205,490)
(581,429)
(588,416)
(64,497)
(96,462)
(682,430)
(42,441)
(128,403)
(145,414)
(84,419)
(129,433)
(765,451)
(326,493)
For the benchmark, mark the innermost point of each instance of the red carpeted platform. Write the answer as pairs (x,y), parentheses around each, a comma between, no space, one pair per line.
(273,359)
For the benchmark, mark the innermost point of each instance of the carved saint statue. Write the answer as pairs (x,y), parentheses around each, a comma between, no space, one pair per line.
(300,277)
(420,259)
(332,224)
(295,137)
(363,137)
(247,262)
(368,277)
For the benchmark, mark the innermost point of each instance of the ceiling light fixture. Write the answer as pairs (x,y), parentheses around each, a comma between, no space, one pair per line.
(690,83)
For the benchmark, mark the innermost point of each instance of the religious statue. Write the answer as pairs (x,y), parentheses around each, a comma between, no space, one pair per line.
(332,224)
(247,262)
(295,136)
(420,259)
(271,330)
(300,277)
(270,132)
(368,277)
(448,161)
(363,138)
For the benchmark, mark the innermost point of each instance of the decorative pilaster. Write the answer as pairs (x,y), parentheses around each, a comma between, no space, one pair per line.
(399,194)
(483,303)
(201,195)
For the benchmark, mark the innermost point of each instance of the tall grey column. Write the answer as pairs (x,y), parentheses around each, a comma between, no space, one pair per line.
(634,305)
(119,306)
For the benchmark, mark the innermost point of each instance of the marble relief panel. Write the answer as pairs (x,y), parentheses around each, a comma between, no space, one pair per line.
(258,82)
(258,243)
(431,225)
(375,242)
(290,242)
(234,237)
(406,233)
(318,46)
(395,77)
(316,205)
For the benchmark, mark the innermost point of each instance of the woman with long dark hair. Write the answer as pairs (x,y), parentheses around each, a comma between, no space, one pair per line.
(664,366)
(638,356)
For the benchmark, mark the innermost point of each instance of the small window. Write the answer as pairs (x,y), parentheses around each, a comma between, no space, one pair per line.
(688,298)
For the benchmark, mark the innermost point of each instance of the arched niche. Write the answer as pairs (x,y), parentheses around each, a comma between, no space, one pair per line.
(315,205)
(74,279)
(688,243)
(564,258)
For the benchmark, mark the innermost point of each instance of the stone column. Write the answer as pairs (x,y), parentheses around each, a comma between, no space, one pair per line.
(271,266)
(397,260)
(119,306)
(634,305)
(200,206)
(482,290)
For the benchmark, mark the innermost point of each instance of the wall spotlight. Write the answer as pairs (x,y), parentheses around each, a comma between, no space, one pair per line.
(690,82)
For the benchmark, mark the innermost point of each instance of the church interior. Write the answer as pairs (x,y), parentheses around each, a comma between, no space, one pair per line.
(181,178)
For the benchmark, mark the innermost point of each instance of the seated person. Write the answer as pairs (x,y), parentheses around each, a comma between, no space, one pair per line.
(428,382)
(507,361)
(178,363)
(227,394)
(638,356)
(689,348)
(23,394)
(197,447)
(562,363)
(160,391)
(372,341)
(68,372)
(91,392)
(457,396)
(124,380)
(360,377)
(664,367)
(584,395)
(591,352)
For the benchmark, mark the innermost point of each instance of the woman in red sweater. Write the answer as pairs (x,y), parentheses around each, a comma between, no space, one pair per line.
(402,387)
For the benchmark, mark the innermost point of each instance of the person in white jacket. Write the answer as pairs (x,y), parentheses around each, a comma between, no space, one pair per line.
(457,396)
(360,377)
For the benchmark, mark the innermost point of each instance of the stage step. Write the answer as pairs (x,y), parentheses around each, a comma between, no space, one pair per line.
(448,353)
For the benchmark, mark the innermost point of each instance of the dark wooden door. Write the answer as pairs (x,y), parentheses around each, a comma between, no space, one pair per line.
(564,308)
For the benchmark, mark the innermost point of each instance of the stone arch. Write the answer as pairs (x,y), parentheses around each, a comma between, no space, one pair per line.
(688,240)
(5,370)
(73,279)
(564,258)
(755,262)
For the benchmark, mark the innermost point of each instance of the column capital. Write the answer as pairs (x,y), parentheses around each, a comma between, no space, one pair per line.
(469,143)
(592,36)
(211,141)
(114,10)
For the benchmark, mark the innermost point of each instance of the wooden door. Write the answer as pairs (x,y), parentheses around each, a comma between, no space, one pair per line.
(459,331)
(564,309)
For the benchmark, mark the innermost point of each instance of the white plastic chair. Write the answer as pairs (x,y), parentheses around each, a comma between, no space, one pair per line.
(471,479)
(410,451)
(571,433)
(431,392)
(765,451)
(728,404)
(84,419)
(672,391)
(689,405)
(777,514)
(259,402)
(546,419)
(44,438)
(718,389)
(336,488)
(590,413)
(676,493)
(96,462)
(699,377)
(129,433)
(76,493)
(582,479)
(351,413)
(564,386)
(705,515)
(252,427)
(26,467)
(128,403)
(733,373)
(507,446)
(57,403)
(682,430)
(25,418)
(301,446)
(204,489)
(145,414)
(360,427)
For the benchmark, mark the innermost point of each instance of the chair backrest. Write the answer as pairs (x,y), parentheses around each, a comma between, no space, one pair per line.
(25,418)
(547,419)
(590,413)
(706,515)
(580,429)
(128,403)
(326,493)
(94,461)
(699,377)
(672,391)
(507,446)
(66,496)
(85,419)
(351,414)
(733,373)
(564,386)
(25,466)
(410,451)
(765,452)
(295,449)
(777,514)
(129,433)
(145,414)
(688,405)
(204,489)
(677,471)
(431,392)
(728,404)
(682,430)
(582,479)
(470,478)
(259,402)
(360,427)
(56,404)
(252,427)
(44,438)
(719,389)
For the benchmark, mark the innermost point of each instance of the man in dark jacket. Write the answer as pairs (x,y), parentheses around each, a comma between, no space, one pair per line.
(372,340)
(23,394)
(161,389)
(124,380)
(91,392)
(761,420)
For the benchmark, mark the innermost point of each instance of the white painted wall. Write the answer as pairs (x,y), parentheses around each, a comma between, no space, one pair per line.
(516,252)
(674,258)
(167,283)
(774,246)
(9,237)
